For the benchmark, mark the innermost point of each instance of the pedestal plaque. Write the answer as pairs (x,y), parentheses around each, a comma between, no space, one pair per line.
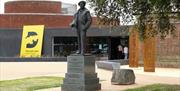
(81,74)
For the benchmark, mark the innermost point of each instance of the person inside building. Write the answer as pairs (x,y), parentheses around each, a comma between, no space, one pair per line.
(120,52)
(125,52)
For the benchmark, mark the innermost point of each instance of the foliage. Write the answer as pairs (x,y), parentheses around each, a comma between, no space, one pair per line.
(158,15)
(157,87)
(30,84)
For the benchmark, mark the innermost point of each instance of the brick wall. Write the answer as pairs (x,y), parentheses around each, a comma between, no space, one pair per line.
(33,7)
(49,20)
(168,50)
(171,45)
(19,13)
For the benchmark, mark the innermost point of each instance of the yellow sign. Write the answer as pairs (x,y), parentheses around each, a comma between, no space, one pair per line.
(32,38)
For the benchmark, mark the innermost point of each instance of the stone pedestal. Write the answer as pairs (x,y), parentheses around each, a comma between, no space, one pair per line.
(81,74)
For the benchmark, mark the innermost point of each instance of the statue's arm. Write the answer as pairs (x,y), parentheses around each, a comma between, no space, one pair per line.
(89,20)
(73,23)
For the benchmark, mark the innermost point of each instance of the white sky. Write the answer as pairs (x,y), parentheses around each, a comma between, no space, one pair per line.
(65,1)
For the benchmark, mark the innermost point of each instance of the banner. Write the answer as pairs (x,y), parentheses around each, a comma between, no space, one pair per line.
(32,37)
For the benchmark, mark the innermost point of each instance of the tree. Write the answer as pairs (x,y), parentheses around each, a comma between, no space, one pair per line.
(155,15)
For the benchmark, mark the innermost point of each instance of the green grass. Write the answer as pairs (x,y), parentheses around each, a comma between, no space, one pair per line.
(157,87)
(35,83)
(30,83)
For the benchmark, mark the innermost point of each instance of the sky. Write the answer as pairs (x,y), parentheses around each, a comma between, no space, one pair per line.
(65,1)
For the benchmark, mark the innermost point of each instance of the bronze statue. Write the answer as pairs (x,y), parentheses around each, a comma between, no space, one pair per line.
(82,21)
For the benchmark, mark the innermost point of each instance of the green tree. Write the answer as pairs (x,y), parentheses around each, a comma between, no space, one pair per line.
(158,15)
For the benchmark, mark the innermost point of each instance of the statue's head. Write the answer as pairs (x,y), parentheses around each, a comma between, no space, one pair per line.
(82,4)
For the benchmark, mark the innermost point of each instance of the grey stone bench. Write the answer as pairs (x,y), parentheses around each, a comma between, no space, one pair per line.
(123,77)
(108,65)
(121,61)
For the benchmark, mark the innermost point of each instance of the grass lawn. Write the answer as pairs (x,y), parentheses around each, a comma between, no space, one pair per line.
(157,87)
(30,83)
(43,82)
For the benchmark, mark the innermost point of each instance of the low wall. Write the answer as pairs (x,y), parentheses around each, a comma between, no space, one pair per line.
(168,61)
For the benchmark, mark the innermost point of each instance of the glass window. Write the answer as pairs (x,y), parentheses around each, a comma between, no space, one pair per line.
(64,46)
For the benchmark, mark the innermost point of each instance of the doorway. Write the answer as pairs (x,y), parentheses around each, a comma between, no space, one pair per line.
(114,44)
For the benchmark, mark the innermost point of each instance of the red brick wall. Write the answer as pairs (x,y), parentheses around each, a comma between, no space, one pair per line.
(169,50)
(34,13)
(171,45)
(49,20)
(33,7)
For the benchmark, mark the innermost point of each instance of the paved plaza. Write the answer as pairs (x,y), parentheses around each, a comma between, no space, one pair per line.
(15,70)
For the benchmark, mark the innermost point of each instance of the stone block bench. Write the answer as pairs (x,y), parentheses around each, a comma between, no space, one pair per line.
(121,61)
(108,65)
(123,77)
(119,76)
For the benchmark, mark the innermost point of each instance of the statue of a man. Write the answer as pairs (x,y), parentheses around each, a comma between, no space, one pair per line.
(82,21)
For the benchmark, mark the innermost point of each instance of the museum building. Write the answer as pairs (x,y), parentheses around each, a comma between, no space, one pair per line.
(60,40)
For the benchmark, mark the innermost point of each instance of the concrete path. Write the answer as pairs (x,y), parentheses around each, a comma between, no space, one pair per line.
(15,70)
